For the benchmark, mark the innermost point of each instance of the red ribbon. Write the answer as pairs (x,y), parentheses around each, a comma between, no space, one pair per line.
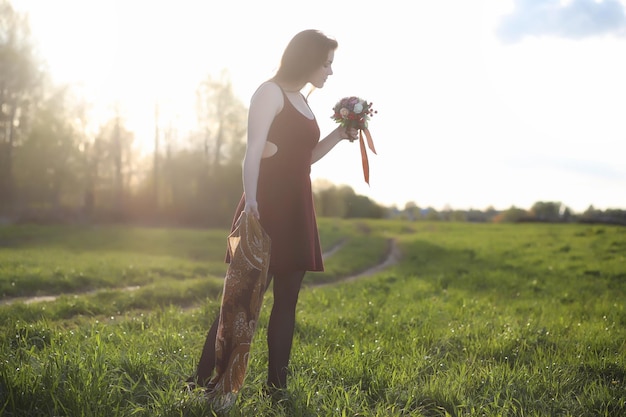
(364,161)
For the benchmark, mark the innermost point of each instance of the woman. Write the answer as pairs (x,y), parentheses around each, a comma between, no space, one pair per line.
(283,141)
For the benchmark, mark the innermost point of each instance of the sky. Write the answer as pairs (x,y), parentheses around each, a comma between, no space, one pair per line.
(490,103)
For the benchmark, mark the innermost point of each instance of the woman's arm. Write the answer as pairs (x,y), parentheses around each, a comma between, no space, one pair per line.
(266,102)
(325,145)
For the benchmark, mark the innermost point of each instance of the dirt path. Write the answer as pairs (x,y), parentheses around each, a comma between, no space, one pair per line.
(393,255)
(42,298)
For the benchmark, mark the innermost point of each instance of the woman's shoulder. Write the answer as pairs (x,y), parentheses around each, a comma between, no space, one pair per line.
(268,94)
(268,88)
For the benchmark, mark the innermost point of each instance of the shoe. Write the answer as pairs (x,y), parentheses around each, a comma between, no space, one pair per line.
(275,394)
(191,384)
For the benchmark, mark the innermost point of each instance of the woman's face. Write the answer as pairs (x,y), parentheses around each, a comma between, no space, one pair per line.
(318,78)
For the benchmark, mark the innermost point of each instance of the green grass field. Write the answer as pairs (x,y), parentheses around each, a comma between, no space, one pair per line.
(475,320)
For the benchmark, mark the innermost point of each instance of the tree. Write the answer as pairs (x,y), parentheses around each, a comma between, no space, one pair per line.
(329,201)
(222,124)
(458,216)
(19,81)
(412,210)
(511,215)
(547,211)
(432,214)
(112,167)
(360,206)
(156,172)
(49,169)
(196,176)
(221,121)
(591,212)
(343,202)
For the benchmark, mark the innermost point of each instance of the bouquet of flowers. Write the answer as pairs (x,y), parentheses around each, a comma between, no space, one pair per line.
(354,112)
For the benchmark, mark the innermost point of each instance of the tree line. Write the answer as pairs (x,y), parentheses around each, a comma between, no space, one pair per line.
(57,165)
(541,211)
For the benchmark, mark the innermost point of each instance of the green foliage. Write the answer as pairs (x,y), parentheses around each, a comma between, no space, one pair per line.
(48,158)
(21,78)
(343,202)
(476,319)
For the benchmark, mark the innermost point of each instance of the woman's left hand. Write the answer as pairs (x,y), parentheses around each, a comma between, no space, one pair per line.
(351,134)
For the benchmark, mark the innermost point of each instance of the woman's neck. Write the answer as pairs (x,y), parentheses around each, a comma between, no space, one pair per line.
(291,88)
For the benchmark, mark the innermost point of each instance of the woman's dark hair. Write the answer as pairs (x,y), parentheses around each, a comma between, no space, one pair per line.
(305,53)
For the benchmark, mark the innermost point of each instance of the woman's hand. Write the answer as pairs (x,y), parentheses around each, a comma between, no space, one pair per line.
(349,133)
(252,208)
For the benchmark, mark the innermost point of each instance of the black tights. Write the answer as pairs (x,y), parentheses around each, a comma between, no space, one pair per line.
(279,332)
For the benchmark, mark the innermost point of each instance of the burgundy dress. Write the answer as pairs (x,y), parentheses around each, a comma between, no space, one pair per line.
(284,195)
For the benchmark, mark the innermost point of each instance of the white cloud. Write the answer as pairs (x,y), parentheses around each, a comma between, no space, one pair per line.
(575,19)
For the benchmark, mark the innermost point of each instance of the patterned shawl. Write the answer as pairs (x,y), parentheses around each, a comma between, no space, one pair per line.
(244,287)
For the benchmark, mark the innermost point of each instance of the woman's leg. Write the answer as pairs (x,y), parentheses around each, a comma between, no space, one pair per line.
(206,365)
(281,326)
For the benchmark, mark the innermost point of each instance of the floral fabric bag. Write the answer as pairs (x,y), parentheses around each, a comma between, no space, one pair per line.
(244,286)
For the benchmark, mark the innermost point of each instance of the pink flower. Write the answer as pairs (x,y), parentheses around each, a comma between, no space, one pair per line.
(352,112)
